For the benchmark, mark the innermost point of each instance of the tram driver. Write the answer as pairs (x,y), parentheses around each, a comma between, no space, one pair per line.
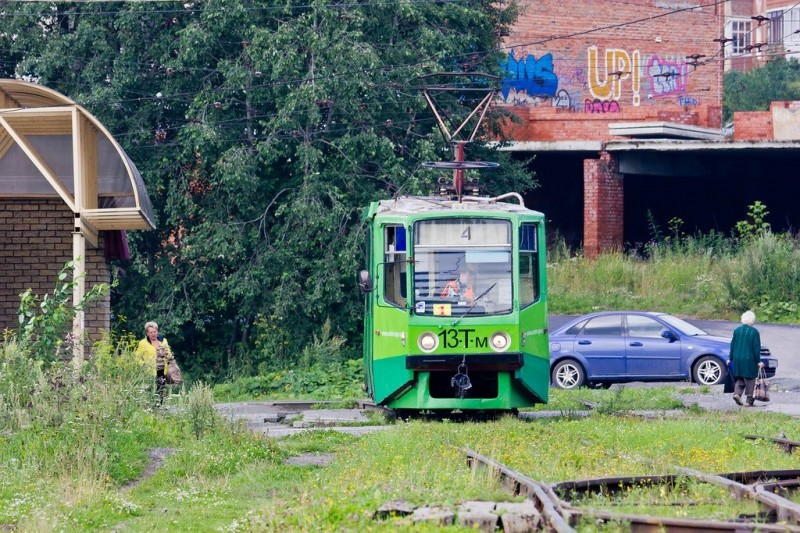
(461,287)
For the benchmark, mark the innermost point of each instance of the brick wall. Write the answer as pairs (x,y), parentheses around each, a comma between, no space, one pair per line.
(752,126)
(603,205)
(572,77)
(35,243)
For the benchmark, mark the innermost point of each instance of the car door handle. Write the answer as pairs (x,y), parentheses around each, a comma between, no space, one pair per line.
(584,342)
(636,343)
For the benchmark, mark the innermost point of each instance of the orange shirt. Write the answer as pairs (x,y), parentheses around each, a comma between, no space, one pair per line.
(453,288)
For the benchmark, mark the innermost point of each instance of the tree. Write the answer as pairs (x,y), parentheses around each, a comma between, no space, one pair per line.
(261,129)
(778,80)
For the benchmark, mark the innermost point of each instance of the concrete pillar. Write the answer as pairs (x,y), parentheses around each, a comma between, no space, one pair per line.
(602,205)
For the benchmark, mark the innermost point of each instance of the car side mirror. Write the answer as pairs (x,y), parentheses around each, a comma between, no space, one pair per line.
(364,282)
(669,335)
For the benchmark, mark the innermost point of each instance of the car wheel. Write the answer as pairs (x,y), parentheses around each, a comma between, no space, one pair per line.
(708,370)
(568,374)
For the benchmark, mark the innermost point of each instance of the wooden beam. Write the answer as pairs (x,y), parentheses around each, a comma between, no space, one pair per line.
(78,292)
(38,112)
(84,161)
(127,218)
(6,142)
(45,121)
(7,101)
(40,164)
(87,230)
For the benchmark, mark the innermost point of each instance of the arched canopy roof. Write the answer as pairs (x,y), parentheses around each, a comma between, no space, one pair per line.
(52,147)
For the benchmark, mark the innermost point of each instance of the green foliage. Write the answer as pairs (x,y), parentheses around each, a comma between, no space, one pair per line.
(765,276)
(261,130)
(19,377)
(76,438)
(703,276)
(322,381)
(45,323)
(754,90)
(755,224)
(200,409)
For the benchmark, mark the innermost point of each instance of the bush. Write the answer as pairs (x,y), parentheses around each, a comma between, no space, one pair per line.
(766,277)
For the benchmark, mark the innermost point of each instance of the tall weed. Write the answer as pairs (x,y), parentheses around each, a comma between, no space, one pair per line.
(19,377)
(766,277)
(200,409)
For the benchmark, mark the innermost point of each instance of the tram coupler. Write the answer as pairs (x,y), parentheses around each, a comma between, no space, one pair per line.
(461,381)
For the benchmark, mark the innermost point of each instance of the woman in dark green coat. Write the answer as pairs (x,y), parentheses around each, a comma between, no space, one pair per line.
(745,358)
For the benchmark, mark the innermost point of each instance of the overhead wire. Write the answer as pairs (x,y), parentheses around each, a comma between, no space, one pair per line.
(390,68)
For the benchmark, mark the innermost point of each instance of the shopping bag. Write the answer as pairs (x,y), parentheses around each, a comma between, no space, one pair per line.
(761,392)
(729,381)
(174,375)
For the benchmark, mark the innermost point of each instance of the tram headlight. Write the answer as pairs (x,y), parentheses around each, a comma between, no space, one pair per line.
(428,342)
(500,341)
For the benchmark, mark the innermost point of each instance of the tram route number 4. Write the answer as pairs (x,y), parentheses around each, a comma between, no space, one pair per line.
(462,338)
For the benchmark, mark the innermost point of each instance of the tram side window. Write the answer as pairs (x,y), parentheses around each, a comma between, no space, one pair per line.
(528,265)
(395,265)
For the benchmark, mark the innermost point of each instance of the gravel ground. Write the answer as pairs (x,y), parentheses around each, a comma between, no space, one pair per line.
(784,398)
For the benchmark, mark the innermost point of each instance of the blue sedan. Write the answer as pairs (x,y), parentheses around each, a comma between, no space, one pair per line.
(621,346)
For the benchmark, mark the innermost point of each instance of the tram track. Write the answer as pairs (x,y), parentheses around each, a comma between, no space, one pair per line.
(561,515)
(560,508)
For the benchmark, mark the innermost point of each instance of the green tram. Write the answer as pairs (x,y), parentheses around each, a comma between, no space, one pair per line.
(456,305)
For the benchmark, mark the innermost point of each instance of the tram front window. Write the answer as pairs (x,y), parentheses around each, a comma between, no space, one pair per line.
(462,266)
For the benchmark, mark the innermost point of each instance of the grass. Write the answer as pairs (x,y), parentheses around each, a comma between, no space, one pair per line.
(686,498)
(702,276)
(421,463)
(617,399)
(225,478)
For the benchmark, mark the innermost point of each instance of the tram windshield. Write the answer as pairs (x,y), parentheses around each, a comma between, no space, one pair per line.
(462,266)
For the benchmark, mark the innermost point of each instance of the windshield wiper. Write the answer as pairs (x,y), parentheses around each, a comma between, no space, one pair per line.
(474,303)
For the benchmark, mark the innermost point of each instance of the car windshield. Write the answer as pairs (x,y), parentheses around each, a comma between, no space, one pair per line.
(682,325)
(462,265)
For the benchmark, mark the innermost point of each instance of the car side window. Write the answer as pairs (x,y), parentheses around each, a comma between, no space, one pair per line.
(574,330)
(607,325)
(643,326)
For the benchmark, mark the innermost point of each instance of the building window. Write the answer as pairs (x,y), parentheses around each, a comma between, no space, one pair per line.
(740,32)
(784,27)
(775,33)
(791,27)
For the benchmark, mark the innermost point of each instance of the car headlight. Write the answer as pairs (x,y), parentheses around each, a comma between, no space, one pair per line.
(500,341)
(428,342)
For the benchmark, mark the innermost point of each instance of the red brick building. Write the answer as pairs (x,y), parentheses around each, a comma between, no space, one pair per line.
(629,95)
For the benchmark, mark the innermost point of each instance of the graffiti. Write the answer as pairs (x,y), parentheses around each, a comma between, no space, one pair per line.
(606,83)
(602,80)
(601,106)
(668,77)
(562,100)
(534,77)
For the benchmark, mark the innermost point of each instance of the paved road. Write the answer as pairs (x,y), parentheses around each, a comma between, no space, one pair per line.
(782,340)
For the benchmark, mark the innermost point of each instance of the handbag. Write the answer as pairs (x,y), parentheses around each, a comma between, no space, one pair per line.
(174,375)
(761,392)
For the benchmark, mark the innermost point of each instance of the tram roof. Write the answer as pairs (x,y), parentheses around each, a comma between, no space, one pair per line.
(411,205)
